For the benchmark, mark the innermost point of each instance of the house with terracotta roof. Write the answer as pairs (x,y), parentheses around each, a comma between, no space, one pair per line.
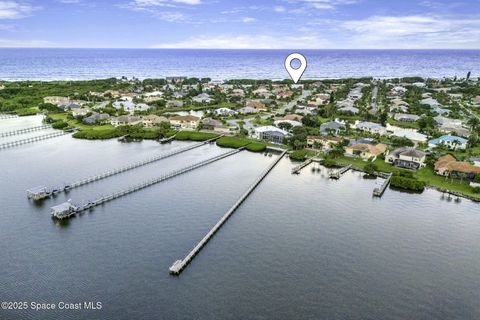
(365,151)
(448,165)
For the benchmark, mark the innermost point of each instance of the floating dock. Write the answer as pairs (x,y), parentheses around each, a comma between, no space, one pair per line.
(378,192)
(336,174)
(33,139)
(42,192)
(23,131)
(179,265)
(69,209)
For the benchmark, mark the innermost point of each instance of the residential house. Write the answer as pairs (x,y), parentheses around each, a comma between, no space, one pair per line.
(174,104)
(405,157)
(248,110)
(403,117)
(96,118)
(185,122)
(153,120)
(365,151)
(270,133)
(237,93)
(225,112)
(58,101)
(80,112)
(215,125)
(324,142)
(448,165)
(256,104)
(293,123)
(125,121)
(452,142)
(370,127)
(202,98)
(331,128)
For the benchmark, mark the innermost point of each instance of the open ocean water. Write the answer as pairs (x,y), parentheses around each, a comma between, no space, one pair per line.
(74,64)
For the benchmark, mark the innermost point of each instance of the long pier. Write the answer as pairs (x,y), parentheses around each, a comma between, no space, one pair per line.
(336,174)
(33,139)
(179,265)
(378,192)
(67,209)
(23,131)
(7,116)
(39,193)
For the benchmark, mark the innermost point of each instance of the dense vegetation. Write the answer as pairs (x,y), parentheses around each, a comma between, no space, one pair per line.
(195,135)
(236,142)
(405,183)
(298,155)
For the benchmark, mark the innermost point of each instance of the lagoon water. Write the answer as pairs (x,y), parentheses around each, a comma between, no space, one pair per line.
(70,64)
(300,247)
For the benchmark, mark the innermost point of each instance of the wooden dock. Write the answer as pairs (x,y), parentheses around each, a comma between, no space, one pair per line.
(40,193)
(296,169)
(179,265)
(23,131)
(336,174)
(68,209)
(33,139)
(378,192)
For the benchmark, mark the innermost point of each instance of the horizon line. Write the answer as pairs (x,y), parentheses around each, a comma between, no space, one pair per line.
(266,49)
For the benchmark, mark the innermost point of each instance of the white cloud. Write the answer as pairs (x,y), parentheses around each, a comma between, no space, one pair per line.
(324,4)
(414,32)
(10,43)
(248,42)
(248,19)
(279,9)
(14,9)
(161,3)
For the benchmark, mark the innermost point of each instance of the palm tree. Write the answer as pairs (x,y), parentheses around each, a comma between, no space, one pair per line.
(474,123)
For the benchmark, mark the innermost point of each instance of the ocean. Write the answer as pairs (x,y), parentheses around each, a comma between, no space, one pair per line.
(83,64)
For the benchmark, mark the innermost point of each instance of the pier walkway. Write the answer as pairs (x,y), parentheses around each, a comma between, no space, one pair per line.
(179,265)
(7,116)
(33,139)
(336,174)
(23,131)
(378,192)
(39,193)
(67,209)
(296,169)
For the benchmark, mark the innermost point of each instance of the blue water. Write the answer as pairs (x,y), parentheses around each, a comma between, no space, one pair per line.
(75,64)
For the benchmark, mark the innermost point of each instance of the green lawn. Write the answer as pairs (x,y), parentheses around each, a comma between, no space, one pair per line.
(76,124)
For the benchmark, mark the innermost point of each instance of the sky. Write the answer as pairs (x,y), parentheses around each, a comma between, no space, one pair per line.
(237,24)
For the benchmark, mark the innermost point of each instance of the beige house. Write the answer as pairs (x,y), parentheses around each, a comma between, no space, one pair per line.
(405,157)
(153,120)
(327,142)
(256,105)
(58,101)
(125,121)
(365,151)
(185,122)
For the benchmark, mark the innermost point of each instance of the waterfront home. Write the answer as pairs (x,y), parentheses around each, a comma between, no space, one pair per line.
(323,142)
(404,117)
(153,120)
(256,104)
(185,122)
(332,127)
(125,121)
(370,127)
(174,104)
(270,133)
(448,165)
(225,112)
(452,142)
(365,151)
(96,118)
(405,157)
(202,98)
(215,125)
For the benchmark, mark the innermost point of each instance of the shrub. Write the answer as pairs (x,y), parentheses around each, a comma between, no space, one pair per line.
(59,124)
(298,155)
(407,183)
(195,135)
(329,163)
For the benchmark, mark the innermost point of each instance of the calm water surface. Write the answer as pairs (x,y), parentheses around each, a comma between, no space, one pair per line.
(300,247)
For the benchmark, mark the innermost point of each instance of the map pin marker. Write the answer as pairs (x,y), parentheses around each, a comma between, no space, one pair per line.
(297,73)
